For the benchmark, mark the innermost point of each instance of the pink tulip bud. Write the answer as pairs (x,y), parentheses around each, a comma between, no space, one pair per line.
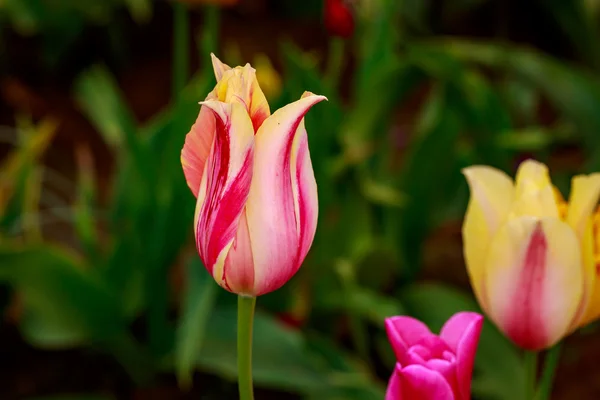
(432,367)
(256,210)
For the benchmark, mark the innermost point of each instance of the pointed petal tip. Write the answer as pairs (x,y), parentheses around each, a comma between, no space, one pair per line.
(310,94)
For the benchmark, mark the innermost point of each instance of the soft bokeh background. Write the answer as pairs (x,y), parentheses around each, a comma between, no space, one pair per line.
(102,293)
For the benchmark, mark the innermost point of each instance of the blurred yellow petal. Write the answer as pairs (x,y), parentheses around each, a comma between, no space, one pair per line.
(534,194)
(267,76)
(590,305)
(585,191)
(491,198)
(534,280)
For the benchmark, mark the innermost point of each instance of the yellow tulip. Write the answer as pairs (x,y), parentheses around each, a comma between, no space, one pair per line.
(531,256)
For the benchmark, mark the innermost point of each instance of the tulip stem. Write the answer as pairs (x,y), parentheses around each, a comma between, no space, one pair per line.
(530,361)
(550,364)
(244,346)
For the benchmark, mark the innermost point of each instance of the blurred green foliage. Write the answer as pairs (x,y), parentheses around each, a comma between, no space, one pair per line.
(384,187)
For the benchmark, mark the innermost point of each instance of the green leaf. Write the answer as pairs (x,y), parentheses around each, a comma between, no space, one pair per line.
(100,98)
(575,93)
(365,303)
(66,297)
(141,10)
(280,359)
(428,184)
(197,307)
(499,372)
(56,285)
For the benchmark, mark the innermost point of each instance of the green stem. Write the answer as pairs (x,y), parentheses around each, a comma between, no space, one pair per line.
(335,62)
(530,361)
(210,35)
(358,331)
(550,364)
(181,45)
(244,346)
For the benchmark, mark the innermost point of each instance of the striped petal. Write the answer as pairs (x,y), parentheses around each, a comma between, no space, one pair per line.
(196,149)
(239,265)
(534,280)
(492,193)
(225,186)
(282,205)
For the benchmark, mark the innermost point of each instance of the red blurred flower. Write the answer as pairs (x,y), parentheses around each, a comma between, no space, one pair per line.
(339,18)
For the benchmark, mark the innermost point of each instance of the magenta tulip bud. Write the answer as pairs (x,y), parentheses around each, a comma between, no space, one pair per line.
(432,367)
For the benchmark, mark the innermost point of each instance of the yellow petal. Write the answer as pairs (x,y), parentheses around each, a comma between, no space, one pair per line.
(534,194)
(491,197)
(239,85)
(585,191)
(589,309)
(534,280)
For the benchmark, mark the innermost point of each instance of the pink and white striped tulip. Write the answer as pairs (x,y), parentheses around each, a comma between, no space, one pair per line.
(256,210)
(432,367)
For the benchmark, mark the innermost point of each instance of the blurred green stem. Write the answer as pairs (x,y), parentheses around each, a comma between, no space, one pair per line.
(181,43)
(357,330)
(210,36)
(244,346)
(335,62)
(550,364)
(530,361)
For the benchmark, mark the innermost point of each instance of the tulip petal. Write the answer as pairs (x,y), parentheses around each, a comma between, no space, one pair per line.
(418,382)
(196,149)
(534,194)
(394,390)
(219,67)
(492,194)
(585,191)
(239,266)
(534,280)
(225,186)
(239,85)
(282,205)
(461,332)
(448,370)
(403,333)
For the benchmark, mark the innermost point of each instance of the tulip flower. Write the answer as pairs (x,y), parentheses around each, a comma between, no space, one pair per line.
(256,210)
(531,256)
(432,367)
(339,18)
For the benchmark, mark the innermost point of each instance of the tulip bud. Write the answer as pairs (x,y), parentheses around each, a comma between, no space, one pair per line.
(530,255)
(339,18)
(432,367)
(256,210)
